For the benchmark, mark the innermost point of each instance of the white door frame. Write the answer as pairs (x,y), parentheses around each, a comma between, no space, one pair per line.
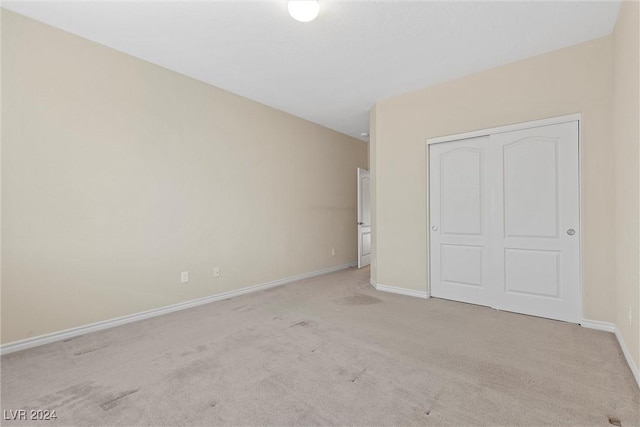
(501,129)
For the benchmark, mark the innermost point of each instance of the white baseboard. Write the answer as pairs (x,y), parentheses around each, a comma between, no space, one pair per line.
(627,355)
(98,326)
(596,324)
(396,290)
(611,327)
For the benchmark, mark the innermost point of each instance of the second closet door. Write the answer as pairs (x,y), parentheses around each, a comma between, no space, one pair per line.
(536,245)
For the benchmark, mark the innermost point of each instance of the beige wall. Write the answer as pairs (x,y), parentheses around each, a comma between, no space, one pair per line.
(118,174)
(626,138)
(577,79)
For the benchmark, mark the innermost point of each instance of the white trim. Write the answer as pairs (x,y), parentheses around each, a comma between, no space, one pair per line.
(627,355)
(580,221)
(598,325)
(427,182)
(507,128)
(106,324)
(611,327)
(401,291)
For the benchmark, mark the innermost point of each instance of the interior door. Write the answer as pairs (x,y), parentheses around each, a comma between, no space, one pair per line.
(537,244)
(504,219)
(459,220)
(364,218)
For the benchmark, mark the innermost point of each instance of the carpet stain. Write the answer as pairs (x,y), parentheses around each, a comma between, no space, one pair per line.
(115,401)
(302,323)
(356,376)
(86,350)
(359,299)
(199,349)
(68,397)
(191,370)
(615,421)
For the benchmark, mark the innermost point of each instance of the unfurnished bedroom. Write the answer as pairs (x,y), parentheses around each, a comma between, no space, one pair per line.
(337,213)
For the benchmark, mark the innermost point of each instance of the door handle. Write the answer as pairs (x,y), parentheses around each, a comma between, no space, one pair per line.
(360,223)
(571,232)
(434,228)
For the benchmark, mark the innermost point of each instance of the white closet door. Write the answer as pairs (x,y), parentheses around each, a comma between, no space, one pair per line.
(536,245)
(504,221)
(459,212)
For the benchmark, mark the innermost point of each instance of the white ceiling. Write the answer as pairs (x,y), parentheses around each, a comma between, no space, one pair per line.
(332,70)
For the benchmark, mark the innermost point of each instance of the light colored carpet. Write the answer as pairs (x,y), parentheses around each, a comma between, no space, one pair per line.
(328,351)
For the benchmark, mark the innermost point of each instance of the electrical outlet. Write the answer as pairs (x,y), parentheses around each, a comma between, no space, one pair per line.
(184,277)
(216,271)
(333,251)
(630,315)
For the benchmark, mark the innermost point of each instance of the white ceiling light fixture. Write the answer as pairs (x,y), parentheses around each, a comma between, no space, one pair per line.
(303,10)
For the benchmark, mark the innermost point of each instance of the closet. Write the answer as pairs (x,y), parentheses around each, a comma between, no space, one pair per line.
(504,219)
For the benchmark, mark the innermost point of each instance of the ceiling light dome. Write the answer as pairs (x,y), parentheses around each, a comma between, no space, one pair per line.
(304,10)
